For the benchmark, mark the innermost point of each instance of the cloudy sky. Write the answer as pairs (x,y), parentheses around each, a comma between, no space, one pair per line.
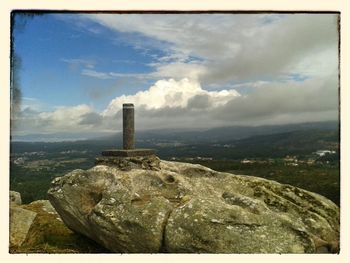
(180,70)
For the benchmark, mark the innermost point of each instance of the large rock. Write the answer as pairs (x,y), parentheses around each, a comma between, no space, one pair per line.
(20,222)
(186,208)
(47,233)
(45,206)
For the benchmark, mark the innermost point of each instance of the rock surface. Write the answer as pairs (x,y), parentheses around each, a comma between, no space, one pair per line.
(186,208)
(20,223)
(20,220)
(15,198)
(46,206)
(47,233)
(126,164)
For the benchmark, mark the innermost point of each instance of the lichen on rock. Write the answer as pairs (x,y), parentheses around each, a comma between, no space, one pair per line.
(150,205)
(150,162)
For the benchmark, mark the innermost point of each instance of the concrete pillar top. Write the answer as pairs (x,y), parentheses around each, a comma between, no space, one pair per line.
(128,105)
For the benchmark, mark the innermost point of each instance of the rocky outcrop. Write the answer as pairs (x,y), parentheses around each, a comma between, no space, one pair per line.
(186,208)
(20,222)
(126,164)
(37,228)
(15,198)
(45,206)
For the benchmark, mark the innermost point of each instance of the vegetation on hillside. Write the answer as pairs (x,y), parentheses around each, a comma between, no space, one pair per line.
(35,165)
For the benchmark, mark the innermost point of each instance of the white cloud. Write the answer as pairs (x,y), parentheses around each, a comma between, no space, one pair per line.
(76,63)
(179,70)
(171,94)
(185,104)
(68,115)
(62,119)
(234,46)
(96,74)
(261,54)
(114,75)
(269,103)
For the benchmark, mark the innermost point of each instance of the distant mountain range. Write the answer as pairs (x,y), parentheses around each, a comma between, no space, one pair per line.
(55,137)
(214,135)
(222,134)
(219,143)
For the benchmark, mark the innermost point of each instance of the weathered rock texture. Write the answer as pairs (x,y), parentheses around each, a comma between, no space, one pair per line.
(20,220)
(20,223)
(150,162)
(186,208)
(15,198)
(48,234)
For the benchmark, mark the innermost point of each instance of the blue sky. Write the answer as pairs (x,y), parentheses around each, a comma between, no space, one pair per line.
(55,54)
(180,70)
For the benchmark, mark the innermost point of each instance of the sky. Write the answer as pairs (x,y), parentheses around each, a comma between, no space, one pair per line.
(180,70)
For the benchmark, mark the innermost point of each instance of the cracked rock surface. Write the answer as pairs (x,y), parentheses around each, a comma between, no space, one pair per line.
(186,208)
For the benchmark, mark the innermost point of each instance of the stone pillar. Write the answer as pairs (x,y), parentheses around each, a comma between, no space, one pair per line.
(128,126)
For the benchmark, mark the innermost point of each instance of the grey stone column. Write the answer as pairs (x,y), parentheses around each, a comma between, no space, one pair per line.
(128,126)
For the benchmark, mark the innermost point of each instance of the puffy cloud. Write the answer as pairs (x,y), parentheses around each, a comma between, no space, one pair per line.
(184,104)
(63,119)
(90,118)
(268,103)
(172,94)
